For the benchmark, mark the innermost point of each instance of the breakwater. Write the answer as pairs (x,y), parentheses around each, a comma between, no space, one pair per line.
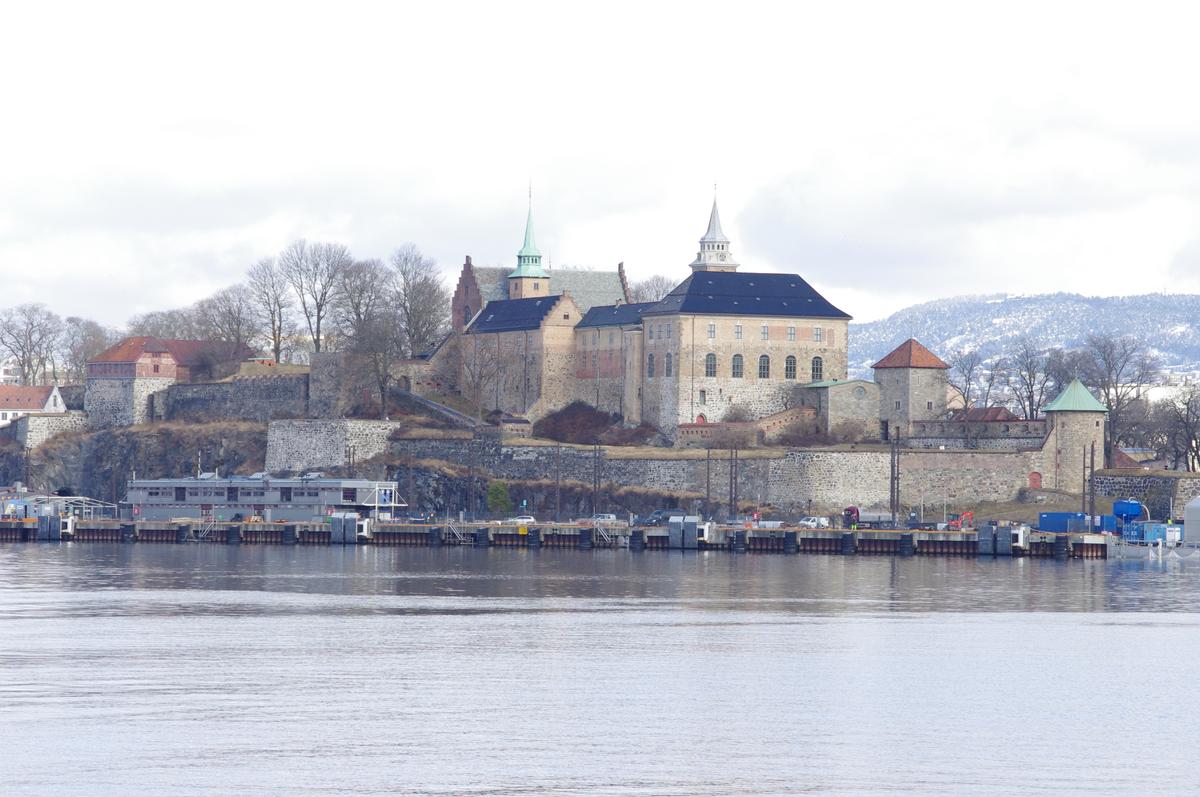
(985,541)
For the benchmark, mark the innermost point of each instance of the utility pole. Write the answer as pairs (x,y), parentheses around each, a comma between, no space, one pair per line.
(558,483)
(1084,484)
(1092,486)
(708,485)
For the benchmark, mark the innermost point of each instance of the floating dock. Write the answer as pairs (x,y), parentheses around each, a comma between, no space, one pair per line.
(985,541)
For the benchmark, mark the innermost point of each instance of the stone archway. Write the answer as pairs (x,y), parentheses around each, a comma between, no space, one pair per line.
(701,419)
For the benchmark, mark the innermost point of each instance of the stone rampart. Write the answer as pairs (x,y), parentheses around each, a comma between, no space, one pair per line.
(263,398)
(1163,492)
(30,431)
(797,480)
(312,444)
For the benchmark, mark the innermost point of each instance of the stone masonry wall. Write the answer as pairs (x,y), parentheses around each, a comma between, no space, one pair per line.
(30,431)
(1163,492)
(253,399)
(800,480)
(310,444)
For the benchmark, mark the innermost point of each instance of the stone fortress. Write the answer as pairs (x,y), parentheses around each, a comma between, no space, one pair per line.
(530,340)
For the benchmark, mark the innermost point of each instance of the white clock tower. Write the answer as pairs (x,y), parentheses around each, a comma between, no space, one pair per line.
(714,254)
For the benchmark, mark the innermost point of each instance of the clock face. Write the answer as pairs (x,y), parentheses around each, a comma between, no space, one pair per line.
(722,257)
(860,391)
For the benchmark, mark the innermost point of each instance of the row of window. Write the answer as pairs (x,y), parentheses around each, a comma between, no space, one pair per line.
(663,332)
(737,367)
(764,332)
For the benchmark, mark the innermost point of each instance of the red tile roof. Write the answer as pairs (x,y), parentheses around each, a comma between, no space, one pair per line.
(985,414)
(911,354)
(19,397)
(184,352)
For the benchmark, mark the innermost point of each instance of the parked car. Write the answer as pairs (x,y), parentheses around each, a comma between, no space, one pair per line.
(603,517)
(521,520)
(658,517)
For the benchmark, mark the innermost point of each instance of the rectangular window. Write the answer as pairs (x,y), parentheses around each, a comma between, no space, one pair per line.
(650,331)
(929,405)
(712,331)
(791,333)
(897,405)
(668,335)
(349,495)
(703,397)
(817,334)
(737,331)
(285,494)
(765,332)
(231,494)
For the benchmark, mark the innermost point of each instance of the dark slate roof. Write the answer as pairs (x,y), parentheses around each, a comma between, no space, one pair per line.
(587,288)
(734,293)
(610,315)
(511,315)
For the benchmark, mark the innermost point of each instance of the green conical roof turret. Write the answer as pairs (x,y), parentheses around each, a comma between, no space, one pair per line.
(529,259)
(1075,398)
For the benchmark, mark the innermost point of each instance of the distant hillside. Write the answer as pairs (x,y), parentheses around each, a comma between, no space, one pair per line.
(1169,323)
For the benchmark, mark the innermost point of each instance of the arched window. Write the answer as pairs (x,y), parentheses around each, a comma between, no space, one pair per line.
(737,366)
(710,365)
(650,366)
(818,369)
(764,367)
(466,315)
(667,366)
(789,367)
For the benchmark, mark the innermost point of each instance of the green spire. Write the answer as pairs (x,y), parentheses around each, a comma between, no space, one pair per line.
(1075,398)
(529,259)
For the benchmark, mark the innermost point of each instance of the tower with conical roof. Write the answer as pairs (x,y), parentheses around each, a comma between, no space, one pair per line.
(529,279)
(1076,428)
(714,254)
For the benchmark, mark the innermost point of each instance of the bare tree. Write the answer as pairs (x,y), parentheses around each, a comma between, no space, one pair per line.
(82,340)
(651,289)
(1119,368)
(481,369)
(272,300)
(178,324)
(364,287)
(1028,377)
(313,271)
(228,316)
(422,299)
(965,368)
(995,380)
(1175,429)
(29,333)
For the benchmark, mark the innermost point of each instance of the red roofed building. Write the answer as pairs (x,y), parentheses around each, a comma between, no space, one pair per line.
(122,379)
(18,400)
(912,387)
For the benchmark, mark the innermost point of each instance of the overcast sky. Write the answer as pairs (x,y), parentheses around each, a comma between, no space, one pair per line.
(888,153)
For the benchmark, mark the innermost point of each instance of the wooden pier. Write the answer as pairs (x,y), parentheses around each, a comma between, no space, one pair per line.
(986,541)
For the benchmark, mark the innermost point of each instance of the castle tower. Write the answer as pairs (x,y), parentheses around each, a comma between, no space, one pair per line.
(912,387)
(714,254)
(529,279)
(1076,424)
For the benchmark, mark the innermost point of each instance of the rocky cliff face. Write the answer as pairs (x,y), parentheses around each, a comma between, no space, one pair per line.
(98,464)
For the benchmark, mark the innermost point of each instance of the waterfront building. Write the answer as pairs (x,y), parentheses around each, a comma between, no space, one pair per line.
(239,498)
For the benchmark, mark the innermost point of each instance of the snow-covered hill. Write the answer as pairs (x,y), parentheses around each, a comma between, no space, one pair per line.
(1169,323)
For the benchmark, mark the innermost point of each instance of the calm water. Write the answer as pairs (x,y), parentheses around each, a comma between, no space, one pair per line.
(207,670)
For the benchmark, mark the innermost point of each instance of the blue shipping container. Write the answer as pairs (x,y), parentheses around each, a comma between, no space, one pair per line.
(1062,521)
